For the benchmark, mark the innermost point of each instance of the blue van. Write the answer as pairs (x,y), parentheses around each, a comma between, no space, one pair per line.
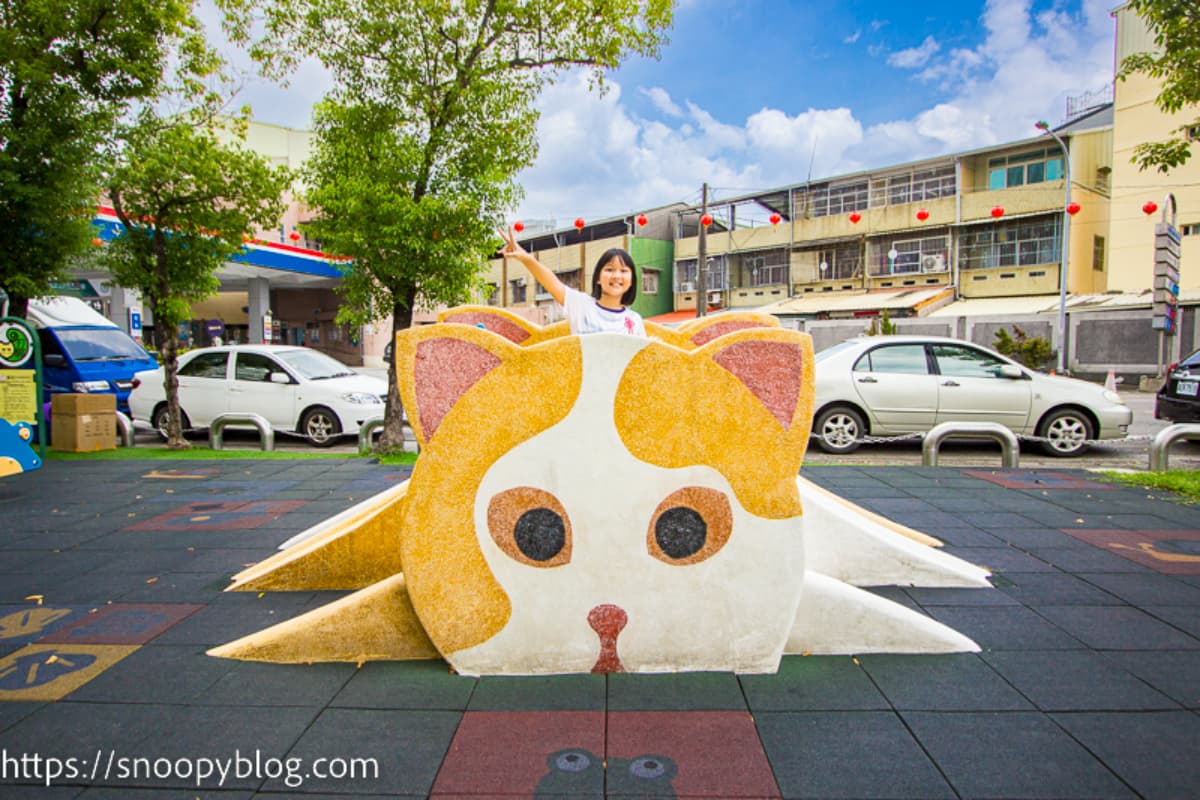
(83,351)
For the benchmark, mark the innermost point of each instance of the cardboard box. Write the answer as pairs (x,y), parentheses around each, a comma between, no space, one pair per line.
(82,423)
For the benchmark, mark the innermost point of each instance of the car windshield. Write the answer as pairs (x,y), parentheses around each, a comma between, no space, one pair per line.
(314,365)
(1191,361)
(834,350)
(99,344)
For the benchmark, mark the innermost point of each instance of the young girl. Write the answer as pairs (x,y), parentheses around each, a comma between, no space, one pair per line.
(614,287)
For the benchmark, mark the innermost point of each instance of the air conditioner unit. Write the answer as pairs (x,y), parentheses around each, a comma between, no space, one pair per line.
(934,263)
(687,286)
(714,298)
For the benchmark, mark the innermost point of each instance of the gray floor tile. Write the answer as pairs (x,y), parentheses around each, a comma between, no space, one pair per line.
(1146,588)
(1154,752)
(1011,755)
(859,754)
(813,683)
(1055,588)
(1005,627)
(406,684)
(1174,673)
(1118,628)
(690,691)
(960,682)
(1076,680)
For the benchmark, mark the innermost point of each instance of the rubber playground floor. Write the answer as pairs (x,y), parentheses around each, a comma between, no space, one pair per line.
(111,578)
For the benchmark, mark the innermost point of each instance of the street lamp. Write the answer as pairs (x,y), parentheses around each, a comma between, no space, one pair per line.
(1044,127)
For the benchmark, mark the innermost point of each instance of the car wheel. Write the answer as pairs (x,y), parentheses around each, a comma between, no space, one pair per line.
(839,430)
(1066,433)
(320,426)
(160,416)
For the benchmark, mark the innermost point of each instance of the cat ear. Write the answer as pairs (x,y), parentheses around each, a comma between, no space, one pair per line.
(437,364)
(774,364)
(505,323)
(703,330)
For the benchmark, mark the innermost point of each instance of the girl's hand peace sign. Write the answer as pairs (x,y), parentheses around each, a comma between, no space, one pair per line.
(511,246)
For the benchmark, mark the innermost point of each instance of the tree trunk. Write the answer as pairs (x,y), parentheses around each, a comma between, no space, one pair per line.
(166,335)
(392,438)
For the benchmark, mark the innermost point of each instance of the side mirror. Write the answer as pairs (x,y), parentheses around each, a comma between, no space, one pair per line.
(1010,371)
(54,360)
(280,377)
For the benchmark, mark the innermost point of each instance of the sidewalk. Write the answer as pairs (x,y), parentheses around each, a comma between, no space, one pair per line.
(111,574)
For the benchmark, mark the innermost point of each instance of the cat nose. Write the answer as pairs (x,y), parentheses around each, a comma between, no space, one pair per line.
(608,621)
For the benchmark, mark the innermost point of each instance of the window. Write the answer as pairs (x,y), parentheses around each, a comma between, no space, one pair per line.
(714,276)
(768,268)
(1098,253)
(965,362)
(907,359)
(255,367)
(912,255)
(206,365)
(1190,229)
(1020,169)
(516,291)
(649,281)
(839,199)
(1010,244)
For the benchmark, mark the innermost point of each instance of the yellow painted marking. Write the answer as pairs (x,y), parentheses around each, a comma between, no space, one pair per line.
(29,621)
(19,671)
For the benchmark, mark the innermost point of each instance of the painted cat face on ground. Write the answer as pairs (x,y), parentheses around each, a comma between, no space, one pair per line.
(604,503)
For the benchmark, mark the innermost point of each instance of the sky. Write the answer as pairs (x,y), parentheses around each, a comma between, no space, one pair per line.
(752,95)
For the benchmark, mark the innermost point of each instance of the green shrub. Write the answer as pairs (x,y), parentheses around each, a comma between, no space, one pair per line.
(1034,353)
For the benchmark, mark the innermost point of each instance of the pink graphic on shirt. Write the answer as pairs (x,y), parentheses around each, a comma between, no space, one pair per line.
(628,325)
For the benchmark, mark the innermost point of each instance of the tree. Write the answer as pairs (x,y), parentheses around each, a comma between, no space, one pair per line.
(1175,25)
(1034,353)
(881,325)
(68,70)
(434,114)
(187,194)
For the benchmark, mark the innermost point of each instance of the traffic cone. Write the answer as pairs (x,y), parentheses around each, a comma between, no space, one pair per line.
(1110,382)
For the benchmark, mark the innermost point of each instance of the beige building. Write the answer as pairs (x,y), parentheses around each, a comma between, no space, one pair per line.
(1136,120)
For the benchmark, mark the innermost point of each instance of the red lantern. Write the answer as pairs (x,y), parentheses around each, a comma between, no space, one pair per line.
(922,215)
(855,217)
(1149,208)
(97,241)
(997,212)
(1073,208)
(579,223)
(706,220)
(776,219)
(295,237)
(518,226)
(642,220)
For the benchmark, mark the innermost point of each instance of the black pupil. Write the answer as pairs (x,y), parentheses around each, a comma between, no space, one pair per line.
(540,534)
(680,532)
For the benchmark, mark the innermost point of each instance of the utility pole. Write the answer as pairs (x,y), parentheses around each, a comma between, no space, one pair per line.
(702,258)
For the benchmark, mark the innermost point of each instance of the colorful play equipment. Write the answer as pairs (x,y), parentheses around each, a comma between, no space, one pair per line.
(604,503)
(20,395)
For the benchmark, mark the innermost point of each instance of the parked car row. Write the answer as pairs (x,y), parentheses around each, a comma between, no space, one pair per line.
(297,389)
(1179,398)
(865,387)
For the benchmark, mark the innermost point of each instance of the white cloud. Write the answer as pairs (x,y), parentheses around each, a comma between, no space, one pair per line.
(915,57)
(662,100)
(852,38)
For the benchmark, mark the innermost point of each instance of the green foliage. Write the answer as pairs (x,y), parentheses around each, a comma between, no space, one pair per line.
(68,70)
(1185,483)
(433,115)
(1175,25)
(187,195)
(1034,353)
(881,325)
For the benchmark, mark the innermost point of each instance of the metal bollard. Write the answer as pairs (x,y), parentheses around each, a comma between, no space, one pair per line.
(366,431)
(1168,436)
(124,430)
(1009,448)
(216,439)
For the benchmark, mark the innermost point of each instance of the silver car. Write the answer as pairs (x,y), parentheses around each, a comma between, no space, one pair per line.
(890,385)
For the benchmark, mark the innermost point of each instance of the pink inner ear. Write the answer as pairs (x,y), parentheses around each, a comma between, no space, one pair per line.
(493,322)
(444,370)
(711,332)
(772,371)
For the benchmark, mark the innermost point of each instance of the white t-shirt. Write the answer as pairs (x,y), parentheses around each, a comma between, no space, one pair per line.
(585,315)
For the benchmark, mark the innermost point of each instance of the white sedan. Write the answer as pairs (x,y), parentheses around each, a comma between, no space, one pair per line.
(890,385)
(296,389)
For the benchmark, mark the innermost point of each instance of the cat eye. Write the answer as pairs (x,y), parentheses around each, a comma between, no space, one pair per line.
(530,526)
(689,526)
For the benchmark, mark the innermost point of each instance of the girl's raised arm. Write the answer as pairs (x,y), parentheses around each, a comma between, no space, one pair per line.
(544,275)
